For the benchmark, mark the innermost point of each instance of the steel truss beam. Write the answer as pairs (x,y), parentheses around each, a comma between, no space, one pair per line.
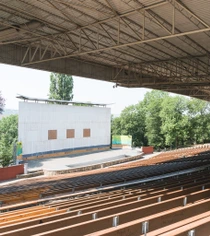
(133,75)
(182,69)
(121,42)
(58,50)
(179,76)
(116,40)
(82,51)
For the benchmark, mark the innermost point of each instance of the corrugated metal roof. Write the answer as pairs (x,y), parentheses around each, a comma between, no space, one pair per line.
(109,32)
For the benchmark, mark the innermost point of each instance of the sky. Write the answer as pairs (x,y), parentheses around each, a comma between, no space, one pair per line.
(35,83)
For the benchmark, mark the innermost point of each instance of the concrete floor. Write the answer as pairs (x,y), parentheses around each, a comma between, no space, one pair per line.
(66,162)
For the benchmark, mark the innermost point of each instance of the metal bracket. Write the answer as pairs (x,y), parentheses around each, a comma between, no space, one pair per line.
(185,201)
(115,222)
(94,216)
(145,227)
(79,212)
(191,232)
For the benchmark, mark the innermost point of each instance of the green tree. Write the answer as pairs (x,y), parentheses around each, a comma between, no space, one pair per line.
(5,152)
(153,122)
(162,120)
(9,129)
(8,136)
(174,120)
(2,103)
(115,125)
(199,120)
(61,87)
(131,122)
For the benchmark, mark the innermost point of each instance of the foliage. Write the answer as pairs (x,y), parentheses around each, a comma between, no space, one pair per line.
(131,122)
(162,121)
(153,101)
(61,87)
(174,121)
(115,125)
(9,129)
(199,119)
(2,103)
(5,152)
(8,136)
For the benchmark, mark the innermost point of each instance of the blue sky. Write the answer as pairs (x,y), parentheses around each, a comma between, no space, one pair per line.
(18,80)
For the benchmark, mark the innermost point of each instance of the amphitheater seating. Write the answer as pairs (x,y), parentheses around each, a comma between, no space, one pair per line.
(173,205)
(35,189)
(161,203)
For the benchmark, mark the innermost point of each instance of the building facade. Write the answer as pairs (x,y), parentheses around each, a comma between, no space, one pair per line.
(48,130)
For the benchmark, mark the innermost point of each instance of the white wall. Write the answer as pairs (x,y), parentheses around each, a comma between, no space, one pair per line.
(35,119)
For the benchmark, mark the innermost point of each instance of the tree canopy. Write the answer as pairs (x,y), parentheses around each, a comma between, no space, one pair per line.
(61,87)
(9,129)
(163,121)
(152,103)
(131,122)
(174,122)
(2,103)
(8,136)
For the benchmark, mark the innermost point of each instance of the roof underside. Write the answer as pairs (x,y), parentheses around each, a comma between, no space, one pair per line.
(156,44)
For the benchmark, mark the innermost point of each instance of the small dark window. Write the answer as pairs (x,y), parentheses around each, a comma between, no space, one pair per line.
(52,134)
(86,133)
(70,133)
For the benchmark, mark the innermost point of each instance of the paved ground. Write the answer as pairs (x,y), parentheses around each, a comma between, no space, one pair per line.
(62,163)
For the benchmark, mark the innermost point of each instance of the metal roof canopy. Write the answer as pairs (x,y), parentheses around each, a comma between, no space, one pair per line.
(159,44)
(64,102)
